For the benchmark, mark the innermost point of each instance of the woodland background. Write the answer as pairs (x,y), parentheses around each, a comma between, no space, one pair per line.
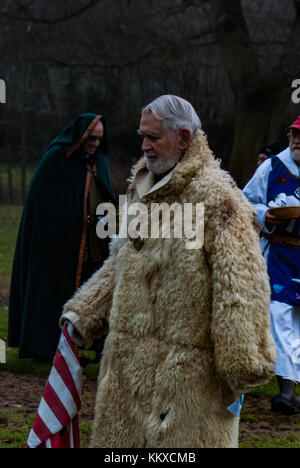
(234,60)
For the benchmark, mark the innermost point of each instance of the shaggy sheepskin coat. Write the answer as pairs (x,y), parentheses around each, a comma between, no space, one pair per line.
(188,330)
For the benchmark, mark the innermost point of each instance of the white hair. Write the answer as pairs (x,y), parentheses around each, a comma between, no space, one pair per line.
(175,113)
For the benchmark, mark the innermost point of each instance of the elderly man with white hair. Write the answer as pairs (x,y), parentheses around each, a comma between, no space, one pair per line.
(188,328)
(274,191)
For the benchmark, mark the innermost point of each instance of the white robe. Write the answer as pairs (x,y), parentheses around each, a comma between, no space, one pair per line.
(285,318)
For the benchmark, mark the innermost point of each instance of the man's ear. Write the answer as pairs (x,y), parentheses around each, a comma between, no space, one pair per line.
(185,136)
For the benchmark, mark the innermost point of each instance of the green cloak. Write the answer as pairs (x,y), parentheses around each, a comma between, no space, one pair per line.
(51,239)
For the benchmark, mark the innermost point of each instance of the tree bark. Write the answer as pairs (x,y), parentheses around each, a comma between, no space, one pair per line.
(260,96)
(256,124)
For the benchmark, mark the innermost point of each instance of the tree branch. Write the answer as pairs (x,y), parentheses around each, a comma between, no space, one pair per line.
(179,9)
(5,12)
(236,45)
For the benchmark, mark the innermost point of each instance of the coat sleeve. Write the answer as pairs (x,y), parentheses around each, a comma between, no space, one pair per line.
(243,346)
(88,310)
(256,193)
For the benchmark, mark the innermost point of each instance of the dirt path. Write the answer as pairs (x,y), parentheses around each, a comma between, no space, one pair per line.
(25,391)
(257,420)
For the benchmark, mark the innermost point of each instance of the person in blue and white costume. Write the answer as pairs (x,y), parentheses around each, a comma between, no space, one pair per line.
(276,182)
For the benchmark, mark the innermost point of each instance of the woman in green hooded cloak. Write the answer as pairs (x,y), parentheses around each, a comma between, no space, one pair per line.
(57,247)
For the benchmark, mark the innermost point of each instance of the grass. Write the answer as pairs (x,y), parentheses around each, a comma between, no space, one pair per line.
(9,224)
(15,426)
(285,441)
(249,417)
(3,321)
(269,390)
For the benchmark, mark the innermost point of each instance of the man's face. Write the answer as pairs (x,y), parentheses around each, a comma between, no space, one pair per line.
(94,139)
(161,148)
(295,145)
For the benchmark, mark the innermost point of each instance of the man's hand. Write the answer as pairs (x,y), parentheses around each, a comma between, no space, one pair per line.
(272,220)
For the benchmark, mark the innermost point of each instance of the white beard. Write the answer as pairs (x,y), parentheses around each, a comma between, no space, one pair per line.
(161,165)
(296,158)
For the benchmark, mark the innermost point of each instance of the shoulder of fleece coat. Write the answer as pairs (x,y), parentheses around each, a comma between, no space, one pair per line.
(226,208)
(212,185)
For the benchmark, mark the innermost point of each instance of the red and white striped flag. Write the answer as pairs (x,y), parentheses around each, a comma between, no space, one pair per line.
(56,424)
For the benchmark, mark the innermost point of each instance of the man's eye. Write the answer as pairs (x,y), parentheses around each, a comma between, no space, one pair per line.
(152,137)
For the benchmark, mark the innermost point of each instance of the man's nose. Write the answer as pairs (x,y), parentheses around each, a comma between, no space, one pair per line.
(146,146)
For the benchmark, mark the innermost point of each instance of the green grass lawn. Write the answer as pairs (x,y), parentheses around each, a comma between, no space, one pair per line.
(286,441)
(3,322)
(10,216)
(15,426)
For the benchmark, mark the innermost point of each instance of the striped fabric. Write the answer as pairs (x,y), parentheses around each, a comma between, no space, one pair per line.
(56,424)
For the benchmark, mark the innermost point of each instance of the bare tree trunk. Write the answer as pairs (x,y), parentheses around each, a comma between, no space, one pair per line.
(260,97)
(257,122)
(24,188)
(260,109)
(1,188)
(10,181)
(24,156)
(9,163)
